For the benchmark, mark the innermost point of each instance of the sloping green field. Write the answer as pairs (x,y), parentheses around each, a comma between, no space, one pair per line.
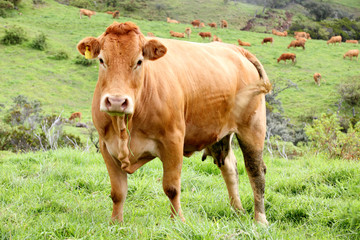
(61,85)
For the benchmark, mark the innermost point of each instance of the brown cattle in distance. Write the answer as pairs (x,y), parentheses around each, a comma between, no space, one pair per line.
(109,12)
(297,43)
(352,41)
(177,34)
(246,44)
(216,39)
(86,12)
(150,34)
(116,14)
(195,23)
(302,34)
(335,39)
(267,39)
(352,53)
(317,78)
(169,20)
(188,32)
(287,56)
(212,25)
(168,104)
(224,24)
(75,115)
(202,25)
(204,35)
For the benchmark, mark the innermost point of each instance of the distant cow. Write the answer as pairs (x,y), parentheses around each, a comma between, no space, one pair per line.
(297,43)
(167,98)
(216,39)
(352,53)
(267,39)
(287,56)
(195,23)
(109,12)
(177,34)
(86,12)
(202,25)
(188,32)
(335,39)
(302,34)
(212,24)
(224,24)
(317,78)
(169,20)
(150,34)
(352,41)
(75,115)
(241,43)
(205,35)
(116,14)
(277,33)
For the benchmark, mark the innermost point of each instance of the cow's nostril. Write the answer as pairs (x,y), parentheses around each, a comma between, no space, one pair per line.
(107,102)
(125,104)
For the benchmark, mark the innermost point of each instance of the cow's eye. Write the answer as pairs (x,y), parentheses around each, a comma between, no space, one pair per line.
(101,61)
(138,64)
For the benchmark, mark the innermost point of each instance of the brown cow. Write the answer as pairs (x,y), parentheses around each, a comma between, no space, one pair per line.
(212,24)
(216,39)
(188,32)
(116,14)
(352,53)
(169,20)
(177,97)
(150,34)
(177,34)
(109,12)
(224,24)
(317,78)
(205,34)
(75,115)
(267,39)
(195,23)
(86,12)
(352,41)
(302,34)
(334,40)
(202,25)
(297,43)
(287,56)
(241,43)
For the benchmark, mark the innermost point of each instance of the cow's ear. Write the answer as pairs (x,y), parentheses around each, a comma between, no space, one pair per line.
(89,47)
(153,49)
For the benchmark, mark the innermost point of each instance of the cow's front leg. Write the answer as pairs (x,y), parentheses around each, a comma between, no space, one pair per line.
(172,163)
(119,186)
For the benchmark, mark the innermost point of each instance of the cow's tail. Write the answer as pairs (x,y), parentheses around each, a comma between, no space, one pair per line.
(265,86)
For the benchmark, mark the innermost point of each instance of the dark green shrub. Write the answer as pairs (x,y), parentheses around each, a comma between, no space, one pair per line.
(326,135)
(83,61)
(59,55)
(37,2)
(350,92)
(23,112)
(6,5)
(39,42)
(14,35)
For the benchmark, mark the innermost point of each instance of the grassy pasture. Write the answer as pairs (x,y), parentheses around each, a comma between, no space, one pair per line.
(63,86)
(65,194)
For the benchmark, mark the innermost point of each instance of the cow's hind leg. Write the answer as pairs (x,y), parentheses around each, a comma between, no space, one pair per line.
(252,148)
(225,159)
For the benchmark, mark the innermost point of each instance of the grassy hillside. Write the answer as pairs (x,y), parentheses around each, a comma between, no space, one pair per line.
(63,86)
(65,194)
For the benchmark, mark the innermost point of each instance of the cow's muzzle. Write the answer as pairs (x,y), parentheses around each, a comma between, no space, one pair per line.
(116,105)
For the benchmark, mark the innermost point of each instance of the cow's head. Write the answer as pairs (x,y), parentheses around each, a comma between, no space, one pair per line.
(122,51)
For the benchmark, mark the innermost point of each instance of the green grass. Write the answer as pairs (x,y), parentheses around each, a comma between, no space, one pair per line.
(63,86)
(66,194)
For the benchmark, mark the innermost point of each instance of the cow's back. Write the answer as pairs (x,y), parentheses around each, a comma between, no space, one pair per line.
(201,82)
